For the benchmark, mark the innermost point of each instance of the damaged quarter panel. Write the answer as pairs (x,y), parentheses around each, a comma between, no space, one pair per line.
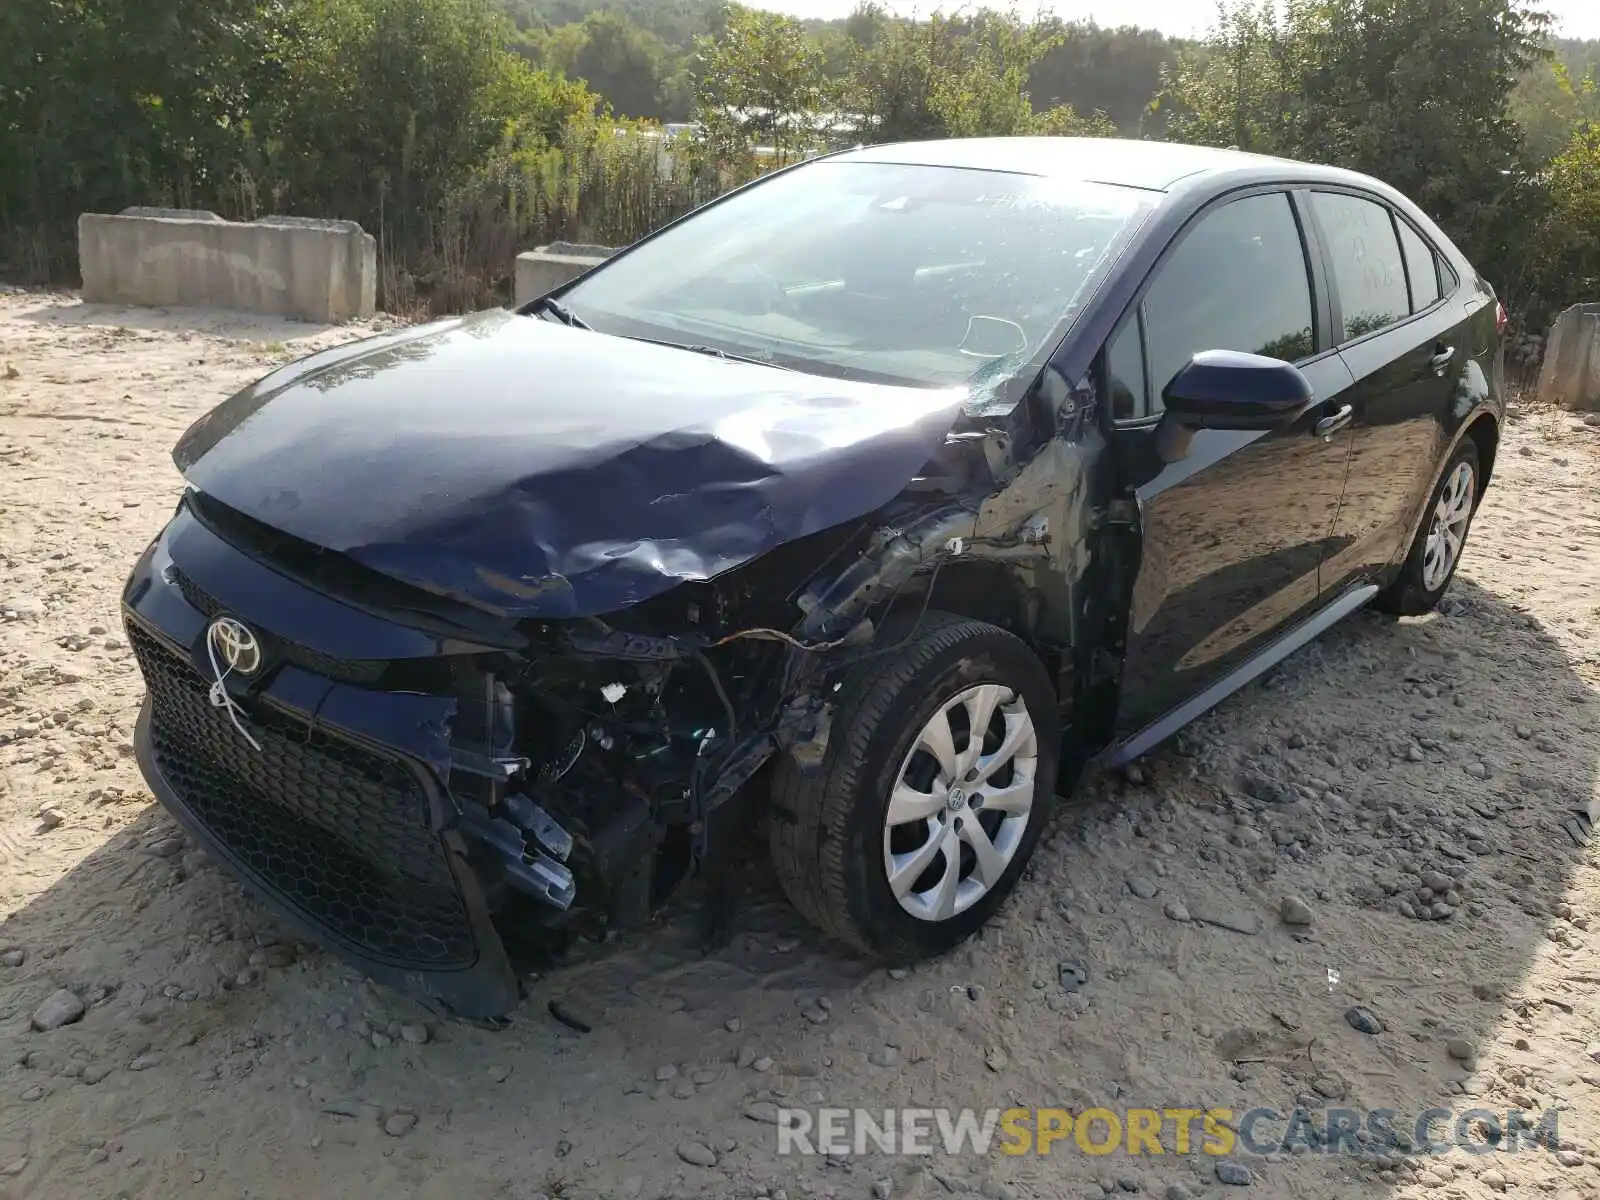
(539,470)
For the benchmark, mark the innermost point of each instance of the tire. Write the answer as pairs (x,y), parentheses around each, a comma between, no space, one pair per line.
(829,837)
(1419,587)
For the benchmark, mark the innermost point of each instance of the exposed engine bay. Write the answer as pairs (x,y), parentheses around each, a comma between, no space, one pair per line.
(600,763)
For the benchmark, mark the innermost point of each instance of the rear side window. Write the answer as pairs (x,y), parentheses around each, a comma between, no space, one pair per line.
(1367,265)
(1422,268)
(1237,281)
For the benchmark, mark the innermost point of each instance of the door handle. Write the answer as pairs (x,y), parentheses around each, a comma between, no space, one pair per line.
(1331,425)
(1441,360)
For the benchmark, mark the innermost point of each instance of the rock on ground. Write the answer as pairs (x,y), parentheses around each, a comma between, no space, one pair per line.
(697,1154)
(59,1008)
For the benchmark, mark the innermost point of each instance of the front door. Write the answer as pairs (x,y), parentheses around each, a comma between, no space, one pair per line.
(1233,534)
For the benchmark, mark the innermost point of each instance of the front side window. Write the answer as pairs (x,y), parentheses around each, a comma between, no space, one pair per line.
(1237,281)
(1125,372)
(928,276)
(1367,266)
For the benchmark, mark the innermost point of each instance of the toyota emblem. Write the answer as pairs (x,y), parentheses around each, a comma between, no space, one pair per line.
(235,646)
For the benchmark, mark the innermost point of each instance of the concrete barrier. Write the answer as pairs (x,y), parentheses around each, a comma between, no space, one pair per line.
(287,266)
(1570,377)
(541,271)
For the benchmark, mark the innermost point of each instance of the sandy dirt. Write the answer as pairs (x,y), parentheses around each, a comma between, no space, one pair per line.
(217,1057)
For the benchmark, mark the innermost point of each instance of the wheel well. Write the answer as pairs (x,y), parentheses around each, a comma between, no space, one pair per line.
(982,591)
(1486,434)
(997,593)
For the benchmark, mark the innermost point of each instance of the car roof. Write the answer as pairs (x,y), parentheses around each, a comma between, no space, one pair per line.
(1153,166)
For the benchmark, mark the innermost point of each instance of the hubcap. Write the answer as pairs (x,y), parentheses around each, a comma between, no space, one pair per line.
(961,802)
(1448,529)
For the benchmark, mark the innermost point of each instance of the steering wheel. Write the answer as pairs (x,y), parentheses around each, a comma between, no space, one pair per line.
(992,338)
(757,290)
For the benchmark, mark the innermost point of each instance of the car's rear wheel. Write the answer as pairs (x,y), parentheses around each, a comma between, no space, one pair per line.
(937,783)
(1441,540)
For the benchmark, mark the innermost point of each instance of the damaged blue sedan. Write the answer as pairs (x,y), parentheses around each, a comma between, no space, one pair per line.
(867,506)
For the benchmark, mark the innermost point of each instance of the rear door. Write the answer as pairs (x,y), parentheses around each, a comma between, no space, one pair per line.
(1234,533)
(1404,336)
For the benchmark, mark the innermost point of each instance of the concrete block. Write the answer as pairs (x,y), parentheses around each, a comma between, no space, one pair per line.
(287,266)
(541,271)
(1570,377)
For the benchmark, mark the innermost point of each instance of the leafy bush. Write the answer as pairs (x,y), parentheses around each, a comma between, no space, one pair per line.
(378,111)
(1567,246)
(105,103)
(1418,93)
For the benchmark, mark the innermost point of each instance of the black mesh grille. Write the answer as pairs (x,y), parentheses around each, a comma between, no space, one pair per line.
(336,831)
(193,593)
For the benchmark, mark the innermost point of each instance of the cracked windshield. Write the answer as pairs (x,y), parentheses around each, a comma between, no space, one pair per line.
(899,274)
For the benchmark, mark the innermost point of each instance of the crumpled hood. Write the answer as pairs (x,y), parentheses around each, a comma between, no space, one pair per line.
(540,470)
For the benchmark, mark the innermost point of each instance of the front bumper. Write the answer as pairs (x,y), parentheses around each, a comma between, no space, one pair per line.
(341,821)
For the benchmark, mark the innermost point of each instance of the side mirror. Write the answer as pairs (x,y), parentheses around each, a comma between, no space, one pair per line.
(1227,389)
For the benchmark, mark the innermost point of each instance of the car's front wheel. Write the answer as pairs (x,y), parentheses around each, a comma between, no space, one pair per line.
(937,783)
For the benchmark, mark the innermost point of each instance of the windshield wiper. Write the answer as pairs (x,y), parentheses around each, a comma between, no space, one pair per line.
(561,313)
(714,352)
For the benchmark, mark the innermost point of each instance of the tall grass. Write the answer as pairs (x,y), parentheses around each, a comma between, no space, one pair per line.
(601,183)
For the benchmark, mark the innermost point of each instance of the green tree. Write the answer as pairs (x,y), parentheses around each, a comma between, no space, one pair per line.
(1238,88)
(1415,92)
(1554,99)
(760,83)
(625,63)
(947,76)
(865,24)
(1567,247)
(631,68)
(1115,71)
(105,103)
(387,103)
(1065,121)
(675,22)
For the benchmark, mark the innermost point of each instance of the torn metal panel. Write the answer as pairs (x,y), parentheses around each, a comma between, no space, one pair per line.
(1043,501)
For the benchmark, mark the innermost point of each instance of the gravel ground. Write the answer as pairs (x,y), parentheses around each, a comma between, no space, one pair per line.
(1351,885)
